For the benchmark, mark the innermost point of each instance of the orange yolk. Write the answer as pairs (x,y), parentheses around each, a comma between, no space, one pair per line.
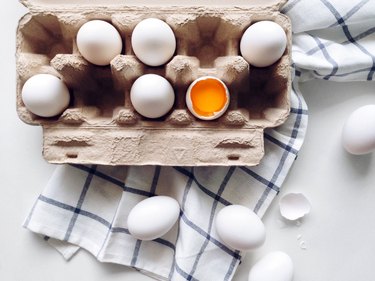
(208,96)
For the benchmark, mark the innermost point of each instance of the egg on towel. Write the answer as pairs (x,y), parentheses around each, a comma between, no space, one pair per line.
(240,228)
(45,95)
(207,98)
(153,217)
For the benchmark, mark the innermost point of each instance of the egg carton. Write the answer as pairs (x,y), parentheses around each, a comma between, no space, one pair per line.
(100,126)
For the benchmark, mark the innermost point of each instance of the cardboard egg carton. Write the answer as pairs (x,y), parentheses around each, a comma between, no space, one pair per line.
(100,126)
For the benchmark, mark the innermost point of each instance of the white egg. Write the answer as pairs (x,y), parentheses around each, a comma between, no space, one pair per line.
(99,42)
(153,42)
(45,95)
(275,266)
(358,134)
(240,228)
(153,217)
(263,43)
(152,95)
(207,98)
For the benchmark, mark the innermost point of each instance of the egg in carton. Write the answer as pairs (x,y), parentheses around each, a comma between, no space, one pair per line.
(101,126)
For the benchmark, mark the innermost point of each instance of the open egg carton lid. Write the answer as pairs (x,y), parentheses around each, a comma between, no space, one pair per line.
(100,126)
(50,5)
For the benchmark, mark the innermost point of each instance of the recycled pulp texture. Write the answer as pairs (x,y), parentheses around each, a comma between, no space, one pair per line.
(100,126)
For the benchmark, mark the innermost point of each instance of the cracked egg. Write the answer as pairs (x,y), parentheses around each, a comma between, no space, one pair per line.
(207,98)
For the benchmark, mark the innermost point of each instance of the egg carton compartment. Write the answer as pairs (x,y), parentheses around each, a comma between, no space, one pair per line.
(100,126)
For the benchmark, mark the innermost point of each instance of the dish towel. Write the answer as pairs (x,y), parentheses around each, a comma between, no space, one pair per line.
(87,206)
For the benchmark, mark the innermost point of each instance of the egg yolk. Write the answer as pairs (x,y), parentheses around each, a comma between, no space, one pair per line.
(208,96)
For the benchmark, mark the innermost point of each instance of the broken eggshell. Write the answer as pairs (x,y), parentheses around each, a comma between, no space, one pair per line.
(294,206)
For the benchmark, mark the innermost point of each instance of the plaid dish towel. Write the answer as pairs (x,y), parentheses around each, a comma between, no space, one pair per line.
(87,206)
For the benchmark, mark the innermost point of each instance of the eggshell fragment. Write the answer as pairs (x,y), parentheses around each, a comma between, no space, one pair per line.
(152,95)
(263,43)
(275,266)
(240,228)
(99,42)
(358,134)
(153,42)
(153,217)
(45,95)
(294,206)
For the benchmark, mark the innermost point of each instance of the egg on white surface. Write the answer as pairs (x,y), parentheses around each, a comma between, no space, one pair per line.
(152,95)
(153,217)
(275,266)
(240,228)
(263,43)
(99,42)
(358,134)
(207,98)
(153,42)
(45,95)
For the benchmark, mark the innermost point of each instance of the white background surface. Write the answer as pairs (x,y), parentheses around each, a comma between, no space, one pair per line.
(339,233)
